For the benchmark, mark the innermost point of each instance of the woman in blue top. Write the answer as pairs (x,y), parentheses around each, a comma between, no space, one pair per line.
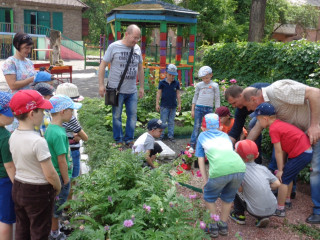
(18,69)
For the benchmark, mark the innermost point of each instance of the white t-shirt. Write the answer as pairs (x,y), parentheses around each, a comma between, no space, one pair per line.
(28,149)
(144,142)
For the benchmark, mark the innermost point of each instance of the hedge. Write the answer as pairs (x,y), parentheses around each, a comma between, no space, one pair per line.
(250,62)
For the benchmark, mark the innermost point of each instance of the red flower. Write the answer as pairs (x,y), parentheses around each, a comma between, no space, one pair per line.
(179,172)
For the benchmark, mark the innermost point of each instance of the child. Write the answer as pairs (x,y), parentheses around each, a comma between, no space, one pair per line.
(59,148)
(169,93)
(74,131)
(206,93)
(226,170)
(255,193)
(36,182)
(7,170)
(43,77)
(47,91)
(226,121)
(287,140)
(145,143)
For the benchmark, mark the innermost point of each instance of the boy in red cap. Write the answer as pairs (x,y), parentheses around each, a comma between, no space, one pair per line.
(36,182)
(254,194)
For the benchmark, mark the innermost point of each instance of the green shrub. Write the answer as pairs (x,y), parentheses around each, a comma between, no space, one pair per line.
(251,62)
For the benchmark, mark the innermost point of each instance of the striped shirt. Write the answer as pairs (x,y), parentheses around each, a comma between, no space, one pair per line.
(73,126)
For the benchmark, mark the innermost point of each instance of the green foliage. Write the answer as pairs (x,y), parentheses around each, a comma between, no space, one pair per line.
(304,229)
(117,188)
(251,62)
(304,174)
(266,145)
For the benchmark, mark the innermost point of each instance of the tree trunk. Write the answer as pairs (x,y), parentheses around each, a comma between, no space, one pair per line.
(55,42)
(257,19)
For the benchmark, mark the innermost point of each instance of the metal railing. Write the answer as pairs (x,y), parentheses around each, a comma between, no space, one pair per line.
(41,30)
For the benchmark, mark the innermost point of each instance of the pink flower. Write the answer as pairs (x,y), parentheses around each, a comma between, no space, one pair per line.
(186,152)
(189,155)
(128,223)
(106,227)
(109,198)
(202,225)
(215,217)
(193,196)
(233,81)
(147,208)
(223,81)
(199,173)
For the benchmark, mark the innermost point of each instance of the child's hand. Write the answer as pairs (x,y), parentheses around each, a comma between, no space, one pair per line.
(192,114)
(76,138)
(158,108)
(279,175)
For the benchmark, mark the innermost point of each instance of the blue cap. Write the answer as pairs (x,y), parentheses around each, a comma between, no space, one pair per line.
(265,109)
(172,69)
(62,102)
(42,76)
(156,123)
(4,104)
(211,121)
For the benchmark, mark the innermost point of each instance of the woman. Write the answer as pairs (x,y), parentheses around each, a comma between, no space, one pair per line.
(18,69)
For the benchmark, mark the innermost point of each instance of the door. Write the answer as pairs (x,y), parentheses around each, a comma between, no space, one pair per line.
(43,19)
(57,21)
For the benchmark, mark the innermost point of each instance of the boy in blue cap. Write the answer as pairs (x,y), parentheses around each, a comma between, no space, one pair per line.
(169,93)
(60,151)
(7,170)
(292,141)
(146,142)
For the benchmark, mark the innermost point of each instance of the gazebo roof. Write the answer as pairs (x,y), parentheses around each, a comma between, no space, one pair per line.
(153,10)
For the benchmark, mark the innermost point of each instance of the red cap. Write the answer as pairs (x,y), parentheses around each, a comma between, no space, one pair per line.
(222,111)
(245,148)
(27,100)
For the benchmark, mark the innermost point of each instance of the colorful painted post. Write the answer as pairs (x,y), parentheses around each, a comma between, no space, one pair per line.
(179,45)
(192,47)
(117,30)
(163,48)
(143,42)
(109,35)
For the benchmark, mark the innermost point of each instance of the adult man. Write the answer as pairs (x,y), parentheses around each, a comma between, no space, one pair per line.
(299,105)
(234,96)
(117,55)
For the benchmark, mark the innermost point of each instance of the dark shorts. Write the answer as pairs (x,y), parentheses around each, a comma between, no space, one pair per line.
(33,207)
(7,214)
(294,166)
(61,199)
(156,149)
(224,187)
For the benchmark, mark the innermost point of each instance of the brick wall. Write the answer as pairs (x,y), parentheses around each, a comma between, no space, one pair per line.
(72,17)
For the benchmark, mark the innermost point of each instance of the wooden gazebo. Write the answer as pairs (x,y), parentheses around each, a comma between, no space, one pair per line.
(158,14)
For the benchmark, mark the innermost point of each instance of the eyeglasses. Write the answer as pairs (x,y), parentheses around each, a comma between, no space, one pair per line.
(26,37)
(138,39)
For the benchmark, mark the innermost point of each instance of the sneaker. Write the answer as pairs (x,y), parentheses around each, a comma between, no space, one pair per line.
(240,219)
(129,144)
(280,213)
(293,195)
(172,139)
(213,230)
(61,236)
(288,205)
(223,228)
(262,222)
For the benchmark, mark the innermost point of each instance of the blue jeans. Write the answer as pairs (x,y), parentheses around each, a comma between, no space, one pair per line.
(61,198)
(75,154)
(315,178)
(130,101)
(167,115)
(199,113)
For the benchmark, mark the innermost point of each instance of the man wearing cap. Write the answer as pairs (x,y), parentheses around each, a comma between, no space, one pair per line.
(117,56)
(299,105)
(146,142)
(36,182)
(7,170)
(169,93)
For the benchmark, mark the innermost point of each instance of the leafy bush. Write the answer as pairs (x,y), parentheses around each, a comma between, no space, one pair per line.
(118,189)
(251,62)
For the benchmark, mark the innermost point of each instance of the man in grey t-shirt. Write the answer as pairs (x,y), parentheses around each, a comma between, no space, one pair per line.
(117,56)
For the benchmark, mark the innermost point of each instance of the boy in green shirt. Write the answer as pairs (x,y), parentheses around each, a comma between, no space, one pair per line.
(59,148)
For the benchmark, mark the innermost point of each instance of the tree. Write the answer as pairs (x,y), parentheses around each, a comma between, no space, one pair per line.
(257,20)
